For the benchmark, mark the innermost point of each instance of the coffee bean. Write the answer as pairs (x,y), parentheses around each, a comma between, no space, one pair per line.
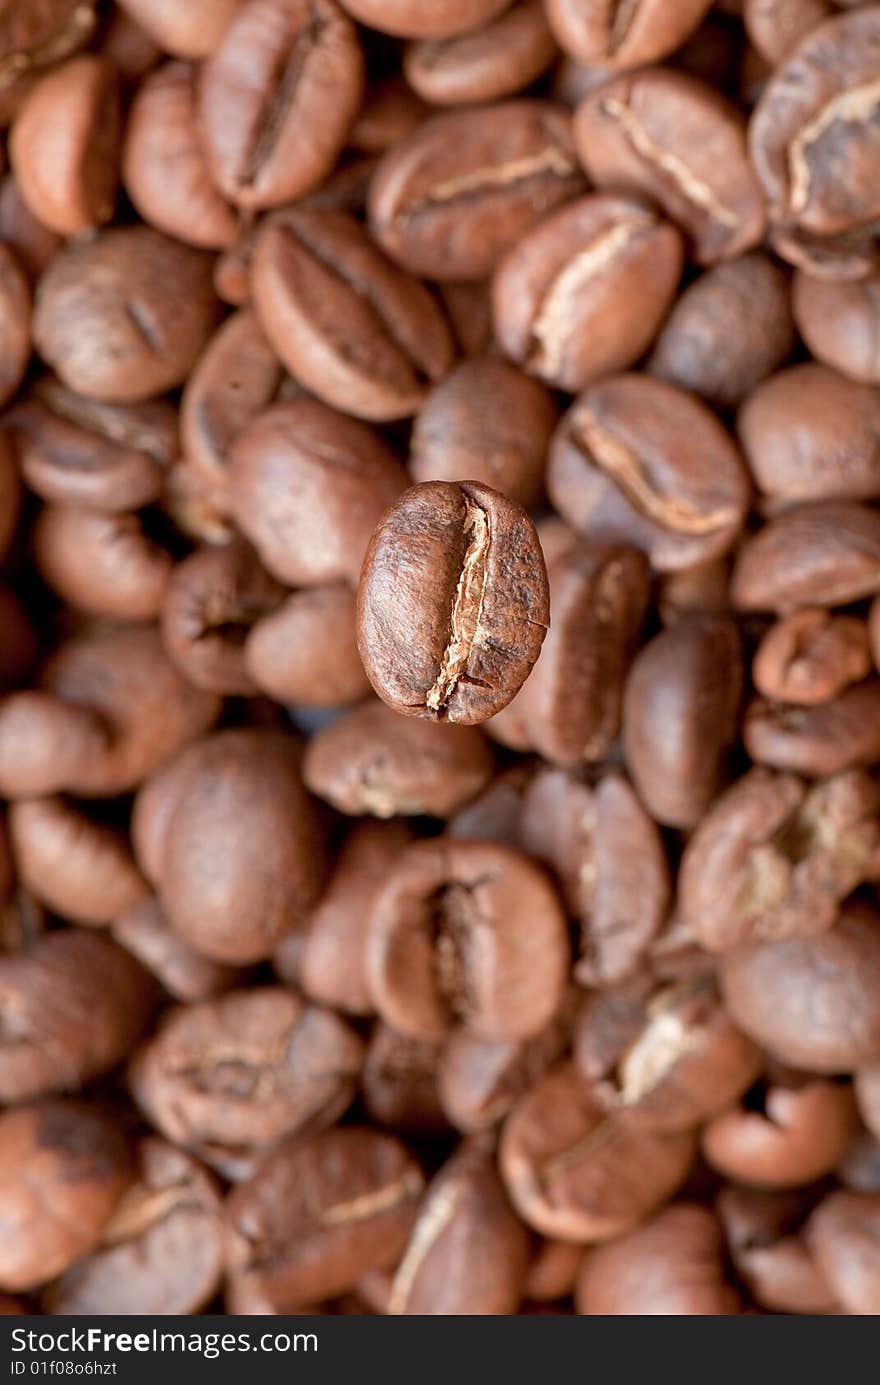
(399,1082)
(763,1231)
(187,28)
(15,323)
(507,54)
(797,1139)
(453,602)
(409,19)
(815,740)
(840,323)
(824,554)
(103,564)
(602,35)
(842,1234)
(144,931)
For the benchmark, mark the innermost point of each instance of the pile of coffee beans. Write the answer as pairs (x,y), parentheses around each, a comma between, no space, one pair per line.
(439,649)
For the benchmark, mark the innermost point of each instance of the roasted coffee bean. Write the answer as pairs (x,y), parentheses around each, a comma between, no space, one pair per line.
(314,271)
(488,422)
(774,857)
(409,19)
(674,139)
(306,650)
(584,292)
(700,590)
(165,167)
(15,323)
(479,1080)
(673,1265)
(162,1249)
(240,1072)
(574,1171)
(319,1214)
(616,33)
(552,1273)
(444,943)
(812,136)
(106,457)
(776,27)
(331,962)
(814,1001)
(307,487)
(33,39)
(72,1006)
(842,1234)
(840,323)
(202,822)
(809,433)
(127,45)
(399,1082)
(728,331)
(81,869)
(453,602)
(372,761)
(46,743)
(639,461)
(816,741)
(823,554)
(499,59)
(609,859)
(187,28)
(811,656)
(65,146)
(468,1251)
(211,603)
(679,717)
(123,317)
(448,200)
(265,84)
(769,1254)
(144,931)
(63,1169)
(798,1137)
(103,564)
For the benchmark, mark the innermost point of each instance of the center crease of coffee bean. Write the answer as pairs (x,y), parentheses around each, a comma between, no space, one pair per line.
(280,96)
(551,160)
(467,608)
(428,1228)
(853,107)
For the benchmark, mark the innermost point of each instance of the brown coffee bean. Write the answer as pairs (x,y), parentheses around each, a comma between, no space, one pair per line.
(312,272)
(842,1234)
(867,1089)
(319,1214)
(466,933)
(776,27)
(796,1139)
(467,1252)
(122,681)
(73,1005)
(129,47)
(45,743)
(570,706)
(769,1253)
(123,317)
(81,869)
(203,821)
(813,1002)
(162,1249)
(494,815)
(187,28)
(609,859)
(728,331)
(614,33)
(63,1168)
(679,717)
(165,167)
(33,39)
(671,1266)
(242,1071)
(811,656)
(826,554)
(488,422)
(809,433)
(197,506)
(107,457)
(499,59)
(674,139)
(584,292)
(841,324)
(212,602)
(574,1171)
(372,761)
(399,1082)
(859,1169)
(306,651)
(816,741)
(144,931)
(307,487)
(265,84)
(812,134)
(65,145)
(773,858)
(331,962)
(103,564)
(442,19)
(15,323)
(447,201)
(453,603)
(552,1273)
(479,1080)
(639,461)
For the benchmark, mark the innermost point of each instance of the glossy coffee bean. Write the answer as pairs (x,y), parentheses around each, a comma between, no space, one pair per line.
(443,19)
(822,554)
(31,40)
(399,1082)
(811,656)
(798,1137)
(499,59)
(606,35)
(479,1080)
(187,28)
(306,650)
(840,324)
(103,564)
(776,27)
(144,931)
(815,741)
(842,1234)
(453,602)
(764,1232)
